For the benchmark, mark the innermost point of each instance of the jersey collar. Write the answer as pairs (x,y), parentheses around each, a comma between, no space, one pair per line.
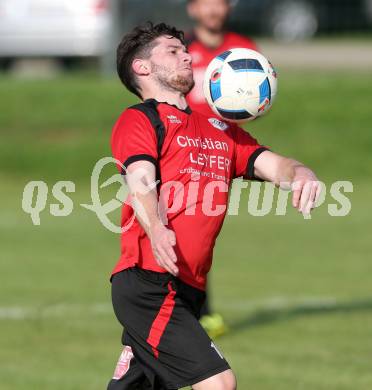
(187,110)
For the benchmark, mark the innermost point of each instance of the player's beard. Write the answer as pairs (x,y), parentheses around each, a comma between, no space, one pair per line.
(172,81)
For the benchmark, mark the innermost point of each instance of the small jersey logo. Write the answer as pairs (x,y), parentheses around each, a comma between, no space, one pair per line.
(216,349)
(174,119)
(218,124)
(123,363)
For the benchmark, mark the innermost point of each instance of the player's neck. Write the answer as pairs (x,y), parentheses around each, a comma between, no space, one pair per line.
(175,98)
(209,38)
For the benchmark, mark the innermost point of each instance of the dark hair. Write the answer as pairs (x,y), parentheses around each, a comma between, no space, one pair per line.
(138,44)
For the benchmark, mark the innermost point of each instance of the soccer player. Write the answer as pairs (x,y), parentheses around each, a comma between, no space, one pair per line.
(209,39)
(167,242)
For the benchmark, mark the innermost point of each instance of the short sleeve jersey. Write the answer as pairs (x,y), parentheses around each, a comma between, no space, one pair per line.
(199,158)
(201,57)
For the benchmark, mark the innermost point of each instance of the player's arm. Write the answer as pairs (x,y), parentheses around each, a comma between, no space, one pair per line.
(140,177)
(289,174)
(134,144)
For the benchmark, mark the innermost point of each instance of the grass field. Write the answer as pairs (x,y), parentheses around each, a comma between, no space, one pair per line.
(296,293)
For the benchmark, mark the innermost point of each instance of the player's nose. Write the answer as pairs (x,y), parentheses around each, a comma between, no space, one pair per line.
(187,58)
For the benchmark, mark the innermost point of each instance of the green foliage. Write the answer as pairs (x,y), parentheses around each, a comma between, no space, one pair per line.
(295,293)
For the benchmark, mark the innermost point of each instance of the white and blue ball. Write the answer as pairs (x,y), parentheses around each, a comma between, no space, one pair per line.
(240,85)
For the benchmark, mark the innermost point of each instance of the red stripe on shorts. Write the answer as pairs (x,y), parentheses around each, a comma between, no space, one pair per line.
(161,320)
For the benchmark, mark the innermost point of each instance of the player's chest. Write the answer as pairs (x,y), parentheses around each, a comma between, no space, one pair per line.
(203,146)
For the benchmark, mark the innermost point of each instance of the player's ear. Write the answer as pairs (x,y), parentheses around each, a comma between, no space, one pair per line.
(141,67)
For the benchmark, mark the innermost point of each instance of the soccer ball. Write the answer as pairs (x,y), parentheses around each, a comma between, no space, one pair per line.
(240,85)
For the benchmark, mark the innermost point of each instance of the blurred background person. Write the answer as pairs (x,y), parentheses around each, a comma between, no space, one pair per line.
(208,39)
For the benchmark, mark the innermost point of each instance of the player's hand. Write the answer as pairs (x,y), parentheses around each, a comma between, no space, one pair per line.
(162,241)
(306,190)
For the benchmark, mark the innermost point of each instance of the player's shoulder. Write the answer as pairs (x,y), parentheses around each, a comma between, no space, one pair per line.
(235,39)
(145,109)
(136,114)
(195,46)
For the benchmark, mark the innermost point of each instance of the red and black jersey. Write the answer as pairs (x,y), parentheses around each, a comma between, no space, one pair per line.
(199,158)
(201,57)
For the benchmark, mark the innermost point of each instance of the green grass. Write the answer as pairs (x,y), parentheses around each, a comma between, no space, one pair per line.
(296,293)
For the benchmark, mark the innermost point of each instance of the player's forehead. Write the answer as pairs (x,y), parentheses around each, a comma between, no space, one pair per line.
(168,42)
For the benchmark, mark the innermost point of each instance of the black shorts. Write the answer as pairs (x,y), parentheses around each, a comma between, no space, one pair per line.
(167,347)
